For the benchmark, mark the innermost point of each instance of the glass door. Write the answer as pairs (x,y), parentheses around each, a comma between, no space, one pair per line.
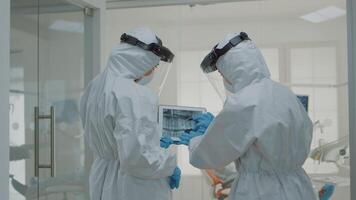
(47,153)
(60,141)
(23,98)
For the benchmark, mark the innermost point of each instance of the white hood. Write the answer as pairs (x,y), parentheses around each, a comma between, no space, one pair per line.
(130,61)
(243,64)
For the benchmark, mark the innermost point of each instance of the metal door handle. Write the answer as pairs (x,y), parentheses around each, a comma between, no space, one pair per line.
(39,166)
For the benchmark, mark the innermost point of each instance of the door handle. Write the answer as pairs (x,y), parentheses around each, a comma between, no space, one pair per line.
(39,166)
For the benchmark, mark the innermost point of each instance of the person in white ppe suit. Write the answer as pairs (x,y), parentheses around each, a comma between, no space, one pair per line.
(119,116)
(263,128)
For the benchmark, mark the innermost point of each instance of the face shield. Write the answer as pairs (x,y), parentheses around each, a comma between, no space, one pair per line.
(158,77)
(218,83)
(209,67)
(155,78)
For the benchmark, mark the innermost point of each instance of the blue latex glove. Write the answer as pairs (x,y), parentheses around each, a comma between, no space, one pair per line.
(174,180)
(165,142)
(326,192)
(204,117)
(202,121)
(186,137)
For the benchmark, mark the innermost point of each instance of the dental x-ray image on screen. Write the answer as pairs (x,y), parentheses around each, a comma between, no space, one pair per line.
(175,120)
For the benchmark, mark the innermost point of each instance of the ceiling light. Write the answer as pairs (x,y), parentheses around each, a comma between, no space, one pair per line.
(324,14)
(67,26)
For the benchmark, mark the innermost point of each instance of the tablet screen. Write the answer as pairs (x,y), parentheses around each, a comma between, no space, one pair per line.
(175,120)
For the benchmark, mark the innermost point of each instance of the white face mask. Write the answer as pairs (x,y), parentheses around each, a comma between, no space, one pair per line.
(145,79)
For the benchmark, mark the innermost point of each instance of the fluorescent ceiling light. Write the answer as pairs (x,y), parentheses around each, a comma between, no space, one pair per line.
(324,14)
(67,26)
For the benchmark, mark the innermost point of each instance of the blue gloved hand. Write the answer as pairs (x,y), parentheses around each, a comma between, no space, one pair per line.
(326,192)
(204,116)
(202,121)
(186,137)
(165,142)
(174,180)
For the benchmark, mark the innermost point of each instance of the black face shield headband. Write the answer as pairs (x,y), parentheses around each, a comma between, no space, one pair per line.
(158,49)
(209,63)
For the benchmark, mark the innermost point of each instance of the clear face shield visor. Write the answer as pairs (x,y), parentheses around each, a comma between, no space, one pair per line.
(157,76)
(218,83)
(210,69)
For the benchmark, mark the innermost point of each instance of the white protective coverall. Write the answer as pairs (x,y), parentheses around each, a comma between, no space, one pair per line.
(120,121)
(262,127)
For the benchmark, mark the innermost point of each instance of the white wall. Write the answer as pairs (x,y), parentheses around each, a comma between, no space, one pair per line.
(4,97)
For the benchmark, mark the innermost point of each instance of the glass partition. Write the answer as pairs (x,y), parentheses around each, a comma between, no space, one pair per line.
(47,153)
